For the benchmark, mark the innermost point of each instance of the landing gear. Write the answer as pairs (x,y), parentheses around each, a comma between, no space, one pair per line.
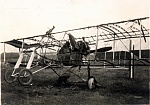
(91,82)
(25,77)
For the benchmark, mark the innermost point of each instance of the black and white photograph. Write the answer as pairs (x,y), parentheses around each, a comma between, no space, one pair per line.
(74,52)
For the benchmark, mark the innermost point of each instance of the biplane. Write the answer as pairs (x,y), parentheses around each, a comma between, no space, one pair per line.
(72,52)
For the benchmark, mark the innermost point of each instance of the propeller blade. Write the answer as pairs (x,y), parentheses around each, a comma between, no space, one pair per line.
(104,49)
(143,33)
(73,42)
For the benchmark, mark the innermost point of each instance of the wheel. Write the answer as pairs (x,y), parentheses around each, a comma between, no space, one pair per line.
(25,77)
(8,77)
(92,83)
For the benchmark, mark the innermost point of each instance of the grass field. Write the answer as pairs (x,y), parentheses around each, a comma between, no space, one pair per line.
(115,88)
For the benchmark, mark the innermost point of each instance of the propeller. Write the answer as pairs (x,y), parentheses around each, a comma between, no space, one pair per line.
(75,46)
(143,33)
(73,43)
(139,23)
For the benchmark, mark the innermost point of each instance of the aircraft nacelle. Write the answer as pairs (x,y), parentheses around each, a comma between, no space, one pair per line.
(73,56)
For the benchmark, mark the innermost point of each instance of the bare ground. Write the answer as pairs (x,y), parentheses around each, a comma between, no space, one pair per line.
(116,88)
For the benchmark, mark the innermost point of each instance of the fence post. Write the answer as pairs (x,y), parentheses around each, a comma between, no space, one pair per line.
(131,61)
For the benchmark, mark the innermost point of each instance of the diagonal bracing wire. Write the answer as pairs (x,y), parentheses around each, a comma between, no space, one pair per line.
(122,29)
(115,34)
(112,27)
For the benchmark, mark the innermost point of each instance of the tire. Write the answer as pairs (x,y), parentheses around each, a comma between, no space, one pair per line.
(91,83)
(8,75)
(25,77)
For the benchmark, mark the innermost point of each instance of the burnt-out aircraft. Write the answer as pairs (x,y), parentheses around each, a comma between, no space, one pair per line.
(72,52)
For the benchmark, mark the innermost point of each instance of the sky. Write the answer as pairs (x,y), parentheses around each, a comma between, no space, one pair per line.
(24,18)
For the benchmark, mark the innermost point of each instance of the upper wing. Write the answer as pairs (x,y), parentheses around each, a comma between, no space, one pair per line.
(134,28)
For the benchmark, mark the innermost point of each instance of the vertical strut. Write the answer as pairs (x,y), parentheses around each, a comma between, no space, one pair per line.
(19,61)
(114,49)
(96,44)
(140,25)
(4,54)
(89,72)
(30,60)
(140,49)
